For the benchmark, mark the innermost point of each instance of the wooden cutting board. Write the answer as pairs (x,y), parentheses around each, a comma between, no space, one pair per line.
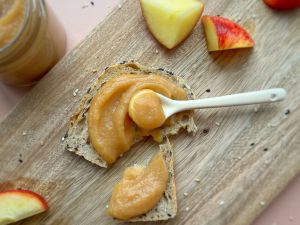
(243,158)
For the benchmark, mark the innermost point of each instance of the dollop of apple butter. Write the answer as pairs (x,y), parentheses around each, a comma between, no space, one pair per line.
(139,190)
(145,109)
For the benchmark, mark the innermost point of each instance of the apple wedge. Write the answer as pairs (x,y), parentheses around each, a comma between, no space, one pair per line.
(171,21)
(222,34)
(283,4)
(16,205)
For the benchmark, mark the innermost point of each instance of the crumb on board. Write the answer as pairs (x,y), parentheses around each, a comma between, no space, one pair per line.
(217,123)
(266,163)
(262,203)
(156,51)
(63,138)
(187,209)
(24,133)
(185,194)
(197,180)
(41,143)
(221,203)
(94,71)
(75,92)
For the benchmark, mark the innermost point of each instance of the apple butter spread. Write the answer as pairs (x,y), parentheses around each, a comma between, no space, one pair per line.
(31,41)
(139,190)
(111,130)
(145,110)
(11,19)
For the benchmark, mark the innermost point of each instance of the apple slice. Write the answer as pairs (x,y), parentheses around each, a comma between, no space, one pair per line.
(171,21)
(283,4)
(16,205)
(222,34)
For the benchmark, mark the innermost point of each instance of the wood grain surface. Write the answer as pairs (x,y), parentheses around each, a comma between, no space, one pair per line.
(242,158)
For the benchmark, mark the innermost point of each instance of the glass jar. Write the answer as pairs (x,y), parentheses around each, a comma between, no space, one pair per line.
(34,47)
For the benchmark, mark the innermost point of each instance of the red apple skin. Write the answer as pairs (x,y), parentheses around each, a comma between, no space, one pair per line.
(283,4)
(229,32)
(30,194)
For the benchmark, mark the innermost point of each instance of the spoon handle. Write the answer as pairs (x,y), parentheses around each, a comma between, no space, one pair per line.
(247,98)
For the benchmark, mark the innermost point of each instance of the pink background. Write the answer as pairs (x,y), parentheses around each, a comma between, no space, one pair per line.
(79,17)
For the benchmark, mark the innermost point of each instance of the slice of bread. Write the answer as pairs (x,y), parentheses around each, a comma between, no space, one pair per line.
(167,206)
(76,138)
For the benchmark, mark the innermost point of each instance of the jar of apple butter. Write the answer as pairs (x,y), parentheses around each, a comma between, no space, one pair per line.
(31,41)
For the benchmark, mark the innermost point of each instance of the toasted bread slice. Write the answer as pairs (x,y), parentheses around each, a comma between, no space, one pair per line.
(77,139)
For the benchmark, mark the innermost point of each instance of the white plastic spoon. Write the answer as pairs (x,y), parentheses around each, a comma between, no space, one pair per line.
(256,97)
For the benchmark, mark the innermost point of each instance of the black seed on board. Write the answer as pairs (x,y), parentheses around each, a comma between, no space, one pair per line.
(20,160)
(171,73)
(169,215)
(287,112)
(66,135)
(266,149)
(252,144)
(92,3)
(161,69)
(205,131)
(207,90)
